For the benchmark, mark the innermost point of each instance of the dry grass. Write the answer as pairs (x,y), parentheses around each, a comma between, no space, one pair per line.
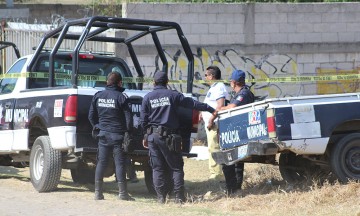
(264,193)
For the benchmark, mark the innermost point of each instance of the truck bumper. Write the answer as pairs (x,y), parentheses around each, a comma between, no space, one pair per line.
(243,152)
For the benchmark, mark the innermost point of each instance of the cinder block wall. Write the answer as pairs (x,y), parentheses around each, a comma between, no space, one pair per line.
(213,24)
(266,40)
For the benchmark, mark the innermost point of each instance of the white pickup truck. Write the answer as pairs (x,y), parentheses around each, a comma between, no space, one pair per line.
(319,133)
(45,99)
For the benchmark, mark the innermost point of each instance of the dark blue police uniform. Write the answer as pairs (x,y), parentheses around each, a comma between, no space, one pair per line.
(110,112)
(158,114)
(234,173)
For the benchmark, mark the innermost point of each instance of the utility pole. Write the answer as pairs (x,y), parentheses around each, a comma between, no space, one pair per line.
(3,51)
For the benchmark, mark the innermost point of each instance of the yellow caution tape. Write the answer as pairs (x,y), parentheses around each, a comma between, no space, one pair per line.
(83,77)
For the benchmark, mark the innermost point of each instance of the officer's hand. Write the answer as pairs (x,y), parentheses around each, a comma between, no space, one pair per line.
(200,117)
(211,122)
(145,143)
(210,125)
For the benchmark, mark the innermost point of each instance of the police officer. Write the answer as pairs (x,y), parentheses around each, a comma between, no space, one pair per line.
(234,173)
(110,112)
(159,118)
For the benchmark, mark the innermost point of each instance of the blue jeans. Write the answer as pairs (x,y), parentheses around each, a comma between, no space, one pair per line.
(110,143)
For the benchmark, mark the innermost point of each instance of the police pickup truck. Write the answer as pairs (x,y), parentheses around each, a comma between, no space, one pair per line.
(315,135)
(45,99)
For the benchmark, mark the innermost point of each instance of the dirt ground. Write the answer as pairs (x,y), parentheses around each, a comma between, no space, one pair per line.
(264,193)
(18,197)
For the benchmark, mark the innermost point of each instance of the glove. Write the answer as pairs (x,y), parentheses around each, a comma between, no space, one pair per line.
(95,132)
(128,143)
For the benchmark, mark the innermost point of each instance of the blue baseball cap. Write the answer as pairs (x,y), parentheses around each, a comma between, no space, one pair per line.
(160,77)
(237,75)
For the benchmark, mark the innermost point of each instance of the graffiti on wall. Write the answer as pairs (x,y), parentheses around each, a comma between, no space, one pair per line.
(271,65)
(338,86)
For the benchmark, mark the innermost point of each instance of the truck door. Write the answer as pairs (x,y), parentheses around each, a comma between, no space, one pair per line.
(7,103)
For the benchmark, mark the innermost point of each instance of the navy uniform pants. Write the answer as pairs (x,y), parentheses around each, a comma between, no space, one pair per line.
(110,143)
(162,161)
(233,176)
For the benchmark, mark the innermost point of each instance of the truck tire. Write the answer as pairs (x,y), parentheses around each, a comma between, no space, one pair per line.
(289,170)
(83,176)
(345,158)
(45,165)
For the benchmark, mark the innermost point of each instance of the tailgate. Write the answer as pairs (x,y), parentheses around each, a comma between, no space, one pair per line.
(242,126)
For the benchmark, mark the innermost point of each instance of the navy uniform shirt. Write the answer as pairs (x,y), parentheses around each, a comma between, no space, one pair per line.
(242,97)
(159,107)
(110,110)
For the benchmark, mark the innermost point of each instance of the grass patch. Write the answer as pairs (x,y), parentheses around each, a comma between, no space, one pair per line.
(264,193)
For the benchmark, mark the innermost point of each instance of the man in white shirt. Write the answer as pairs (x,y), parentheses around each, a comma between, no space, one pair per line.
(215,98)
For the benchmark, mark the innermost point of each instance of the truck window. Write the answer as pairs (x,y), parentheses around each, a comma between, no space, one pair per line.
(7,84)
(94,68)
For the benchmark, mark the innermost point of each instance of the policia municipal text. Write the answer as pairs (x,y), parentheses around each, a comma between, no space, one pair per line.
(160,121)
(110,112)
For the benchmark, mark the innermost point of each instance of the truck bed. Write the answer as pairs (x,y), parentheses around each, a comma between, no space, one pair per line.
(302,125)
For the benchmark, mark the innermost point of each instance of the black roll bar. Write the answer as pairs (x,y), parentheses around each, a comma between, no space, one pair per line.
(103,23)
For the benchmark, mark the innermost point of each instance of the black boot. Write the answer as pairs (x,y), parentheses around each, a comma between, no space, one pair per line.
(161,199)
(180,196)
(230,190)
(99,190)
(123,194)
(239,172)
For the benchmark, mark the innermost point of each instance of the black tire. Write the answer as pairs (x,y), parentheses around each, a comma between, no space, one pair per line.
(289,169)
(45,165)
(83,176)
(345,158)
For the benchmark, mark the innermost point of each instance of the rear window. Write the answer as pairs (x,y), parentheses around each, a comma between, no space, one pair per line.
(93,71)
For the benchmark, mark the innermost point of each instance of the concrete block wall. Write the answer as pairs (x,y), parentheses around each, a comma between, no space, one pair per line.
(203,24)
(308,23)
(257,23)
(266,40)
(42,13)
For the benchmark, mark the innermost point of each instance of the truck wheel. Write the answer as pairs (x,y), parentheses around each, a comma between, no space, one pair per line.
(45,165)
(83,176)
(345,158)
(289,170)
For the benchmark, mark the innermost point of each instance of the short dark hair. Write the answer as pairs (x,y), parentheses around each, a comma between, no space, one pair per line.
(240,82)
(215,71)
(161,83)
(161,78)
(113,78)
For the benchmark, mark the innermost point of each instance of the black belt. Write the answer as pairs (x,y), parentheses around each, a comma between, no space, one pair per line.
(163,131)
